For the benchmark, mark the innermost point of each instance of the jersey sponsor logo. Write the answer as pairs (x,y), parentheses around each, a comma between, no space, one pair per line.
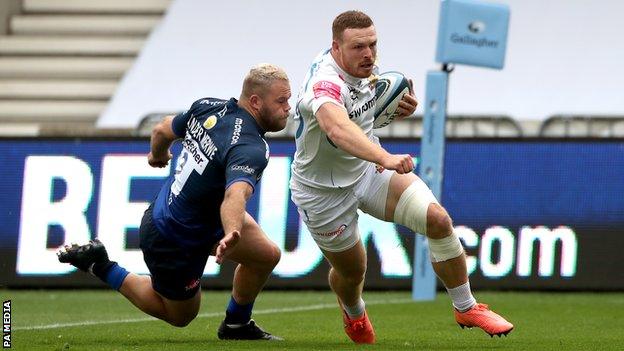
(222,112)
(210,122)
(191,147)
(212,102)
(243,168)
(238,126)
(196,131)
(359,111)
(336,232)
(353,93)
(327,88)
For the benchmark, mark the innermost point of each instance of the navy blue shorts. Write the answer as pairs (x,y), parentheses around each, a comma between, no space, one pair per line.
(176,271)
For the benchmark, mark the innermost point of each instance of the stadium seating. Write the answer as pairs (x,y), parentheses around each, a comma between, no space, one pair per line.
(61,60)
(582,126)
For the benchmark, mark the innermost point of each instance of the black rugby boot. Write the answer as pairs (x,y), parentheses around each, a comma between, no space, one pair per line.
(249,331)
(91,257)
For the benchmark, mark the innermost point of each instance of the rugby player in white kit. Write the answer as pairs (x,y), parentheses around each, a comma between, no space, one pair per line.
(339,166)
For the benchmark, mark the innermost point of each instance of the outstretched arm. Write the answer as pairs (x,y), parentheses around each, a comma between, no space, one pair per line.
(335,122)
(232,217)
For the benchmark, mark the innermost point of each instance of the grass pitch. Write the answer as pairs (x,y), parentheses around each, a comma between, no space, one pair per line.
(310,320)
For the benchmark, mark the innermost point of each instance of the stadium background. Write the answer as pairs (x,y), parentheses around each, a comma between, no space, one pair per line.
(537,197)
(534,170)
(529,217)
(553,172)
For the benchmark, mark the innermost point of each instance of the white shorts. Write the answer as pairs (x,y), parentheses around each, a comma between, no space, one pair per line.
(331,214)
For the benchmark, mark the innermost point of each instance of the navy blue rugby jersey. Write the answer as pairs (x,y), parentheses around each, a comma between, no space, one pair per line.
(222,144)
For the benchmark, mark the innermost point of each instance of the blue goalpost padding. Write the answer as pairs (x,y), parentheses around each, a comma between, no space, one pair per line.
(431,171)
(470,32)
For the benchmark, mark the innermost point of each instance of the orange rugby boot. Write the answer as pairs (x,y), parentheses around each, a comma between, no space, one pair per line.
(481,316)
(359,330)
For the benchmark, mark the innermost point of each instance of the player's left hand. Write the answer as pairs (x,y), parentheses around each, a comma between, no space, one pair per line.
(159,161)
(226,245)
(408,103)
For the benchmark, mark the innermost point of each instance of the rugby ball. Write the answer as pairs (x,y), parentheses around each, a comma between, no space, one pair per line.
(389,90)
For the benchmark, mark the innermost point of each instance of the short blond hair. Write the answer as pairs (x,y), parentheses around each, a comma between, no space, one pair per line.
(260,78)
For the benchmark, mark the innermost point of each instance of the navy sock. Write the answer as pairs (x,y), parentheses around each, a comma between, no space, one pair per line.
(114,275)
(238,314)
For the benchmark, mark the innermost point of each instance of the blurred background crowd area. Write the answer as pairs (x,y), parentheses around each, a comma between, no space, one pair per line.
(61,62)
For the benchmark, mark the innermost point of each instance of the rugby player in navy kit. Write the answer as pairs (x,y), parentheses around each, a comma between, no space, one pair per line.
(200,210)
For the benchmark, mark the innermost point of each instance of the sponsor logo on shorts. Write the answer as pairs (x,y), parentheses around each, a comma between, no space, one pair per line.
(192,285)
(379,169)
(336,232)
(245,169)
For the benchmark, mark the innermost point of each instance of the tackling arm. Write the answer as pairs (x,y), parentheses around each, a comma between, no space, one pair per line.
(232,217)
(233,206)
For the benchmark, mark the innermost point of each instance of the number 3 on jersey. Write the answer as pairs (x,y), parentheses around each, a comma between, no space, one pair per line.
(186,164)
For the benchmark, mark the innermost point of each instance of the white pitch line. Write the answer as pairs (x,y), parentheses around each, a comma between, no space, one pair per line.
(206,315)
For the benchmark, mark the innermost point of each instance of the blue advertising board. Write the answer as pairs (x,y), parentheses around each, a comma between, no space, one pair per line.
(532,214)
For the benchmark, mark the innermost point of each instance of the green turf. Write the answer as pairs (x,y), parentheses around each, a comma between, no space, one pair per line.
(543,321)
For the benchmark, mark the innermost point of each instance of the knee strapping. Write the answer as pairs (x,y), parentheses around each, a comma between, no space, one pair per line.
(411,210)
(446,248)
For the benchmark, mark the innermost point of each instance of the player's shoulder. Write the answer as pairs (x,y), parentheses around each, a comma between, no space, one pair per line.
(245,139)
(328,72)
(208,105)
(239,127)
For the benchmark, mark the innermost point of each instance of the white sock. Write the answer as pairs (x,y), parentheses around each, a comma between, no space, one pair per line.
(462,297)
(355,312)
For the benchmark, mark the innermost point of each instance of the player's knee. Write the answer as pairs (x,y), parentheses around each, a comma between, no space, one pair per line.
(354,276)
(275,254)
(413,207)
(182,321)
(353,279)
(180,315)
(444,244)
(439,223)
(270,256)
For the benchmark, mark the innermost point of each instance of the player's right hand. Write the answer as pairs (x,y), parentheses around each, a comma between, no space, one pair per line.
(400,163)
(226,245)
(159,162)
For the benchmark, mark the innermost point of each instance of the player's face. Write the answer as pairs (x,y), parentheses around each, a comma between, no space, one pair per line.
(357,51)
(275,107)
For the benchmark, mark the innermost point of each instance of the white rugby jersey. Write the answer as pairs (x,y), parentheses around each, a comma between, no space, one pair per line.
(318,162)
